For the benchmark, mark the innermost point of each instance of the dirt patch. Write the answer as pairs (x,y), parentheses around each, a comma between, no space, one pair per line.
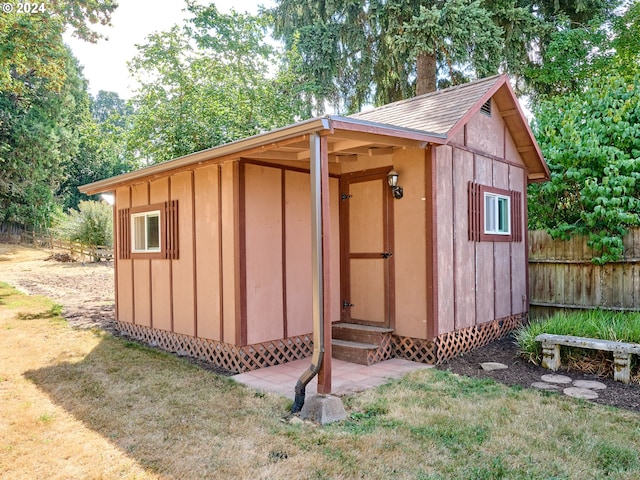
(522,373)
(85,290)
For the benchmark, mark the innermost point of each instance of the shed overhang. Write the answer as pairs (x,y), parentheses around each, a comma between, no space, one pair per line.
(346,136)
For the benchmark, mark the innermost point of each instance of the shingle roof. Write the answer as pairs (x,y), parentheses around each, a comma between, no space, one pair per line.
(444,112)
(436,112)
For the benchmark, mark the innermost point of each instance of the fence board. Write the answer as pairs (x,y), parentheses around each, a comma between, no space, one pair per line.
(562,276)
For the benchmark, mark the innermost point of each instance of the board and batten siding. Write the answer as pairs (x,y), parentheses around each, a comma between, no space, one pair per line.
(243,274)
(278,245)
(562,275)
(179,295)
(477,282)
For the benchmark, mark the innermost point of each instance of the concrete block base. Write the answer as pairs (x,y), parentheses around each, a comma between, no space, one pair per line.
(323,409)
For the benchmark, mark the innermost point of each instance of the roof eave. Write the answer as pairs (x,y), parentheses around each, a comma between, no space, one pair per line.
(261,140)
(327,124)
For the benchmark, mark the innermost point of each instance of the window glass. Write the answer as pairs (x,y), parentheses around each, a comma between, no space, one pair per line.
(138,233)
(153,232)
(489,213)
(497,214)
(146,232)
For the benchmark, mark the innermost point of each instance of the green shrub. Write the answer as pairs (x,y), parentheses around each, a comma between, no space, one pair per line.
(91,224)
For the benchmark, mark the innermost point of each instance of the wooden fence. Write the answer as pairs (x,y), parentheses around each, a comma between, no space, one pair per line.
(13,233)
(562,276)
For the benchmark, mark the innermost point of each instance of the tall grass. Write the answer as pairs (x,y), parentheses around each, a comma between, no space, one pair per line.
(605,325)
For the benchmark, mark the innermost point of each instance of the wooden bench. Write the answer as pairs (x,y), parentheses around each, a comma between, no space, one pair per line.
(621,352)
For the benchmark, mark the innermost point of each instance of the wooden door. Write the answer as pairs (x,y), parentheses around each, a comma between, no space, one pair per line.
(366,215)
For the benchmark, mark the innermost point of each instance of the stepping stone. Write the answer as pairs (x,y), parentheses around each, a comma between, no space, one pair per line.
(590,384)
(553,378)
(545,386)
(583,393)
(491,366)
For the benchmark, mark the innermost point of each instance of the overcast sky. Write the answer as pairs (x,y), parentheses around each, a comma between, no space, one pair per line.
(105,63)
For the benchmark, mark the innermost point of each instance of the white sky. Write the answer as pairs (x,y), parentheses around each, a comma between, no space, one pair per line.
(105,63)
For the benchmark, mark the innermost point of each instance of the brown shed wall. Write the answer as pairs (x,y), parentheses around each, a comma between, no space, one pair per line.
(410,231)
(161,285)
(477,282)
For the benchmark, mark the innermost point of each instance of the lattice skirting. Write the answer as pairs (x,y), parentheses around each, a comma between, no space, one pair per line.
(251,357)
(384,352)
(415,349)
(452,344)
(230,357)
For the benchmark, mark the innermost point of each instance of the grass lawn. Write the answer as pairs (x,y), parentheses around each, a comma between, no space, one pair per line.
(81,404)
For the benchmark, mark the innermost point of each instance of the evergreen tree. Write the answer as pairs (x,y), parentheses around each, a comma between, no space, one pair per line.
(360,51)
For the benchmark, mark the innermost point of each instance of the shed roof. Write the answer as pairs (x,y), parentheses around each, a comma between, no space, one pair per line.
(436,112)
(431,118)
(444,112)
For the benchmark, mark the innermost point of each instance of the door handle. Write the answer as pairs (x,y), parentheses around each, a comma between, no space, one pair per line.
(386,254)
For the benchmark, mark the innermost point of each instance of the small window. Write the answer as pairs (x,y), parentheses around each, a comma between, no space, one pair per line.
(146,232)
(497,214)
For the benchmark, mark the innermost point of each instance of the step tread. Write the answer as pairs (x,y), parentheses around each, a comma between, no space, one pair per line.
(347,343)
(367,328)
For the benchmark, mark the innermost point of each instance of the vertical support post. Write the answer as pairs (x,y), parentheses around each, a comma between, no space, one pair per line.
(320,257)
(324,375)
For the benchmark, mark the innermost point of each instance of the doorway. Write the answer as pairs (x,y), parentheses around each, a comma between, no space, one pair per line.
(367,264)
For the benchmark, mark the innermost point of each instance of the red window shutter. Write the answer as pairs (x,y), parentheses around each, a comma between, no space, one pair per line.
(516,216)
(124,234)
(475,204)
(171,230)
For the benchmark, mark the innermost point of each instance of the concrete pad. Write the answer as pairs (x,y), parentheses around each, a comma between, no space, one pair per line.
(583,393)
(491,366)
(323,409)
(554,378)
(590,384)
(545,386)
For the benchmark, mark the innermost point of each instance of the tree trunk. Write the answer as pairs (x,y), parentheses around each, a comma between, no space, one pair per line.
(426,73)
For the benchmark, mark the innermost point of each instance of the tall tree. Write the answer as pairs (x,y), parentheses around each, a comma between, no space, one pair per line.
(31,43)
(360,51)
(43,101)
(206,84)
(101,124)
(38,136)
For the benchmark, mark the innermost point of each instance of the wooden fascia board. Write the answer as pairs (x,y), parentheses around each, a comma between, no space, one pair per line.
(350,129)
(385,134)
(531,149)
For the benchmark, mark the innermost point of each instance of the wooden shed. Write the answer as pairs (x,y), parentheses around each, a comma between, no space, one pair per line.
(214,249)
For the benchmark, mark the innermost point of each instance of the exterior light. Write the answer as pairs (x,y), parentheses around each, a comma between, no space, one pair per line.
(392,179)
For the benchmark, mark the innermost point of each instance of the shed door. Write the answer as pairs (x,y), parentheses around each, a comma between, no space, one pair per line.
(366,214)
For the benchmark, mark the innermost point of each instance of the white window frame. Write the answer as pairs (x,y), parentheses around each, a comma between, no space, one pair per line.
(492,201)
(145,215)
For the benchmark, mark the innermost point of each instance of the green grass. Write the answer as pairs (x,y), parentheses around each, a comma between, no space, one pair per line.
(624,327)
(83,405)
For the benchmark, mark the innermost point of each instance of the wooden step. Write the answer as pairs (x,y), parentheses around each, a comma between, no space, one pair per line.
(354,352)
(359,333)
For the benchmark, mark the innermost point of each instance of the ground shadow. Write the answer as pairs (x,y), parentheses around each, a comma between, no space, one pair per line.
(171,416)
